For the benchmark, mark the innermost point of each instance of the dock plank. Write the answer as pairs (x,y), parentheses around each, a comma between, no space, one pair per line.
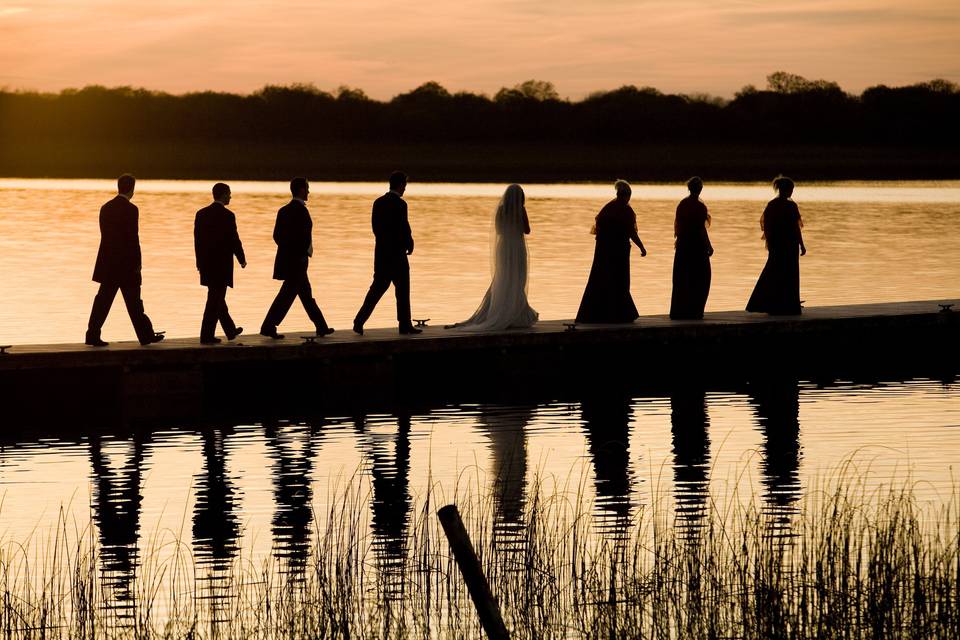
(346,367)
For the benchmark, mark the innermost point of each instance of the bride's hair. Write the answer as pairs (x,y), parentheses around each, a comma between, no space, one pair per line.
(622,187)
(510,209)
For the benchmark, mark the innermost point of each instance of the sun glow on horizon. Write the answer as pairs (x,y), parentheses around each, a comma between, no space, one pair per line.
(687,46)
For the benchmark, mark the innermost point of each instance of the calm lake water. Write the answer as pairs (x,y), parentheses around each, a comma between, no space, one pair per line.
(867,243)
(253,489)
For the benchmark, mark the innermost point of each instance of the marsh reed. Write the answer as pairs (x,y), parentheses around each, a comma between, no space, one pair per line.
(852,562)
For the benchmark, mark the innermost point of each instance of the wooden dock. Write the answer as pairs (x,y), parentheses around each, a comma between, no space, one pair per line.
(345,371)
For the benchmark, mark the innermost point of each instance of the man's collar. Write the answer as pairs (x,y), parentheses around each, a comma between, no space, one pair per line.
(395,193)
(300,200)
(124,196)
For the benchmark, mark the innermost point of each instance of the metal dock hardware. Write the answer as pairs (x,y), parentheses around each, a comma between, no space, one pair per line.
(421,323)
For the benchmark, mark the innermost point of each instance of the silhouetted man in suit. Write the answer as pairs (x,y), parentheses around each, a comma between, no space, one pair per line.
(216,242)
(390,265)
(118,266)
(293,235)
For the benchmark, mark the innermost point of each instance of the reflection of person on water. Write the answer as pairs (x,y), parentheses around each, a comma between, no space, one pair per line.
(216,529)
(777,406)
(505,429)
(691,457)
(292,493)
(390,477)
(606,421)
(116,510)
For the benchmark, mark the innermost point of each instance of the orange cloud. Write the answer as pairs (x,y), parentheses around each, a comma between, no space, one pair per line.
(385,47)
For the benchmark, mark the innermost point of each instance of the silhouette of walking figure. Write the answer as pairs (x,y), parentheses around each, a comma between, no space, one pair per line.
(293,234)
(216,242)
(118,266)
(607,296)
(778,288)
(391,228)
(691,261)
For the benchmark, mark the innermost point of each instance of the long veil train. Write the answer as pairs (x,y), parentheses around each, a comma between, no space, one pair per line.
(505,304)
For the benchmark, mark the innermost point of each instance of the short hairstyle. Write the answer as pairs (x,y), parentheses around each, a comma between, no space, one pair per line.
(220,189)
(398,179)
(783,183)
(622,187)
(125,183)
(297,184)
(695,184)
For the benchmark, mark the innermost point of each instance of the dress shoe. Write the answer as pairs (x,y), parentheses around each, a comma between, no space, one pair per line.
(325,331)
(210,341)
(358,329)
(410,331)
(271,334)
(237,332)
(95,342)
(157,337)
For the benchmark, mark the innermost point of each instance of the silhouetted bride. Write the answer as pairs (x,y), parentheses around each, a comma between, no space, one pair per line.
(505,304)
(778,289)
(607,296)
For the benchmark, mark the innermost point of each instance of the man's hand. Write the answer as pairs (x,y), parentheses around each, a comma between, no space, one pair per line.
(243,265)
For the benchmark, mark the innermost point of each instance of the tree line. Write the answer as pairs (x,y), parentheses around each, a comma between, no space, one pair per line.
(789,109)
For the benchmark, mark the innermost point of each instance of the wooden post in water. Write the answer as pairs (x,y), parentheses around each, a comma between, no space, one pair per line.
(472,572)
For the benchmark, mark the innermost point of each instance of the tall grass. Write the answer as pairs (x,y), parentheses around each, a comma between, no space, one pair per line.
(853,563)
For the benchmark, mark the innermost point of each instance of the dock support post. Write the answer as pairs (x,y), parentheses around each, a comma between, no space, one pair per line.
(472,572)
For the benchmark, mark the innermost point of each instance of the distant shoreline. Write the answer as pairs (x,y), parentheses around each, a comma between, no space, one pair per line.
(520,162)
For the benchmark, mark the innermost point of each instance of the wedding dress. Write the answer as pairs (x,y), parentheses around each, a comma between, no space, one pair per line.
(505,304)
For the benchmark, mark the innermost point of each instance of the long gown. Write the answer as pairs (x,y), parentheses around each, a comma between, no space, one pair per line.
(778,288)
(505,305)
(607,297)
(691,261)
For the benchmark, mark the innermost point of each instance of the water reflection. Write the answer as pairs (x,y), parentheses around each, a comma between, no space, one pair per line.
(117,500)
(776,403)
(216,527)
(506,431)
(606,423)
(272,470)
(292,451)
(689,425)
(390,502)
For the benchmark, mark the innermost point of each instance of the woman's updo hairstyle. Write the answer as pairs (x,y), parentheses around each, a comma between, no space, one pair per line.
(783,185)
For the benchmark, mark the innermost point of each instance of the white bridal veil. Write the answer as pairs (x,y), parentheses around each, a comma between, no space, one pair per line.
(505,303)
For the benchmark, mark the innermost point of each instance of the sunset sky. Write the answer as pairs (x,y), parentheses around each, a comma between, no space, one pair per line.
(387,47)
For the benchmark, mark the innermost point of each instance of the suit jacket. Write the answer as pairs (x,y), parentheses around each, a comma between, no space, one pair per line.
(293,234)
(216,242)
(392,231)
(118,260)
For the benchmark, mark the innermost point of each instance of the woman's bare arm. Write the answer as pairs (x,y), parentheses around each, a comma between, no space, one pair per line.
(636,240)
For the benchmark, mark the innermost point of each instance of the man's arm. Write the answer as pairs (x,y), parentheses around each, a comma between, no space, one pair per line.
(196,239)
(235,240)
(406,229)
(135,240)
(376,219)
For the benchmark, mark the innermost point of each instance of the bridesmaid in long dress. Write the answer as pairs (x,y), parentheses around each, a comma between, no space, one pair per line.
(691,262)
(778,289)
(607,296)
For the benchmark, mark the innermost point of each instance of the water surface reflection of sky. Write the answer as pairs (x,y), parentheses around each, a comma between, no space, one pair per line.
(256,490)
